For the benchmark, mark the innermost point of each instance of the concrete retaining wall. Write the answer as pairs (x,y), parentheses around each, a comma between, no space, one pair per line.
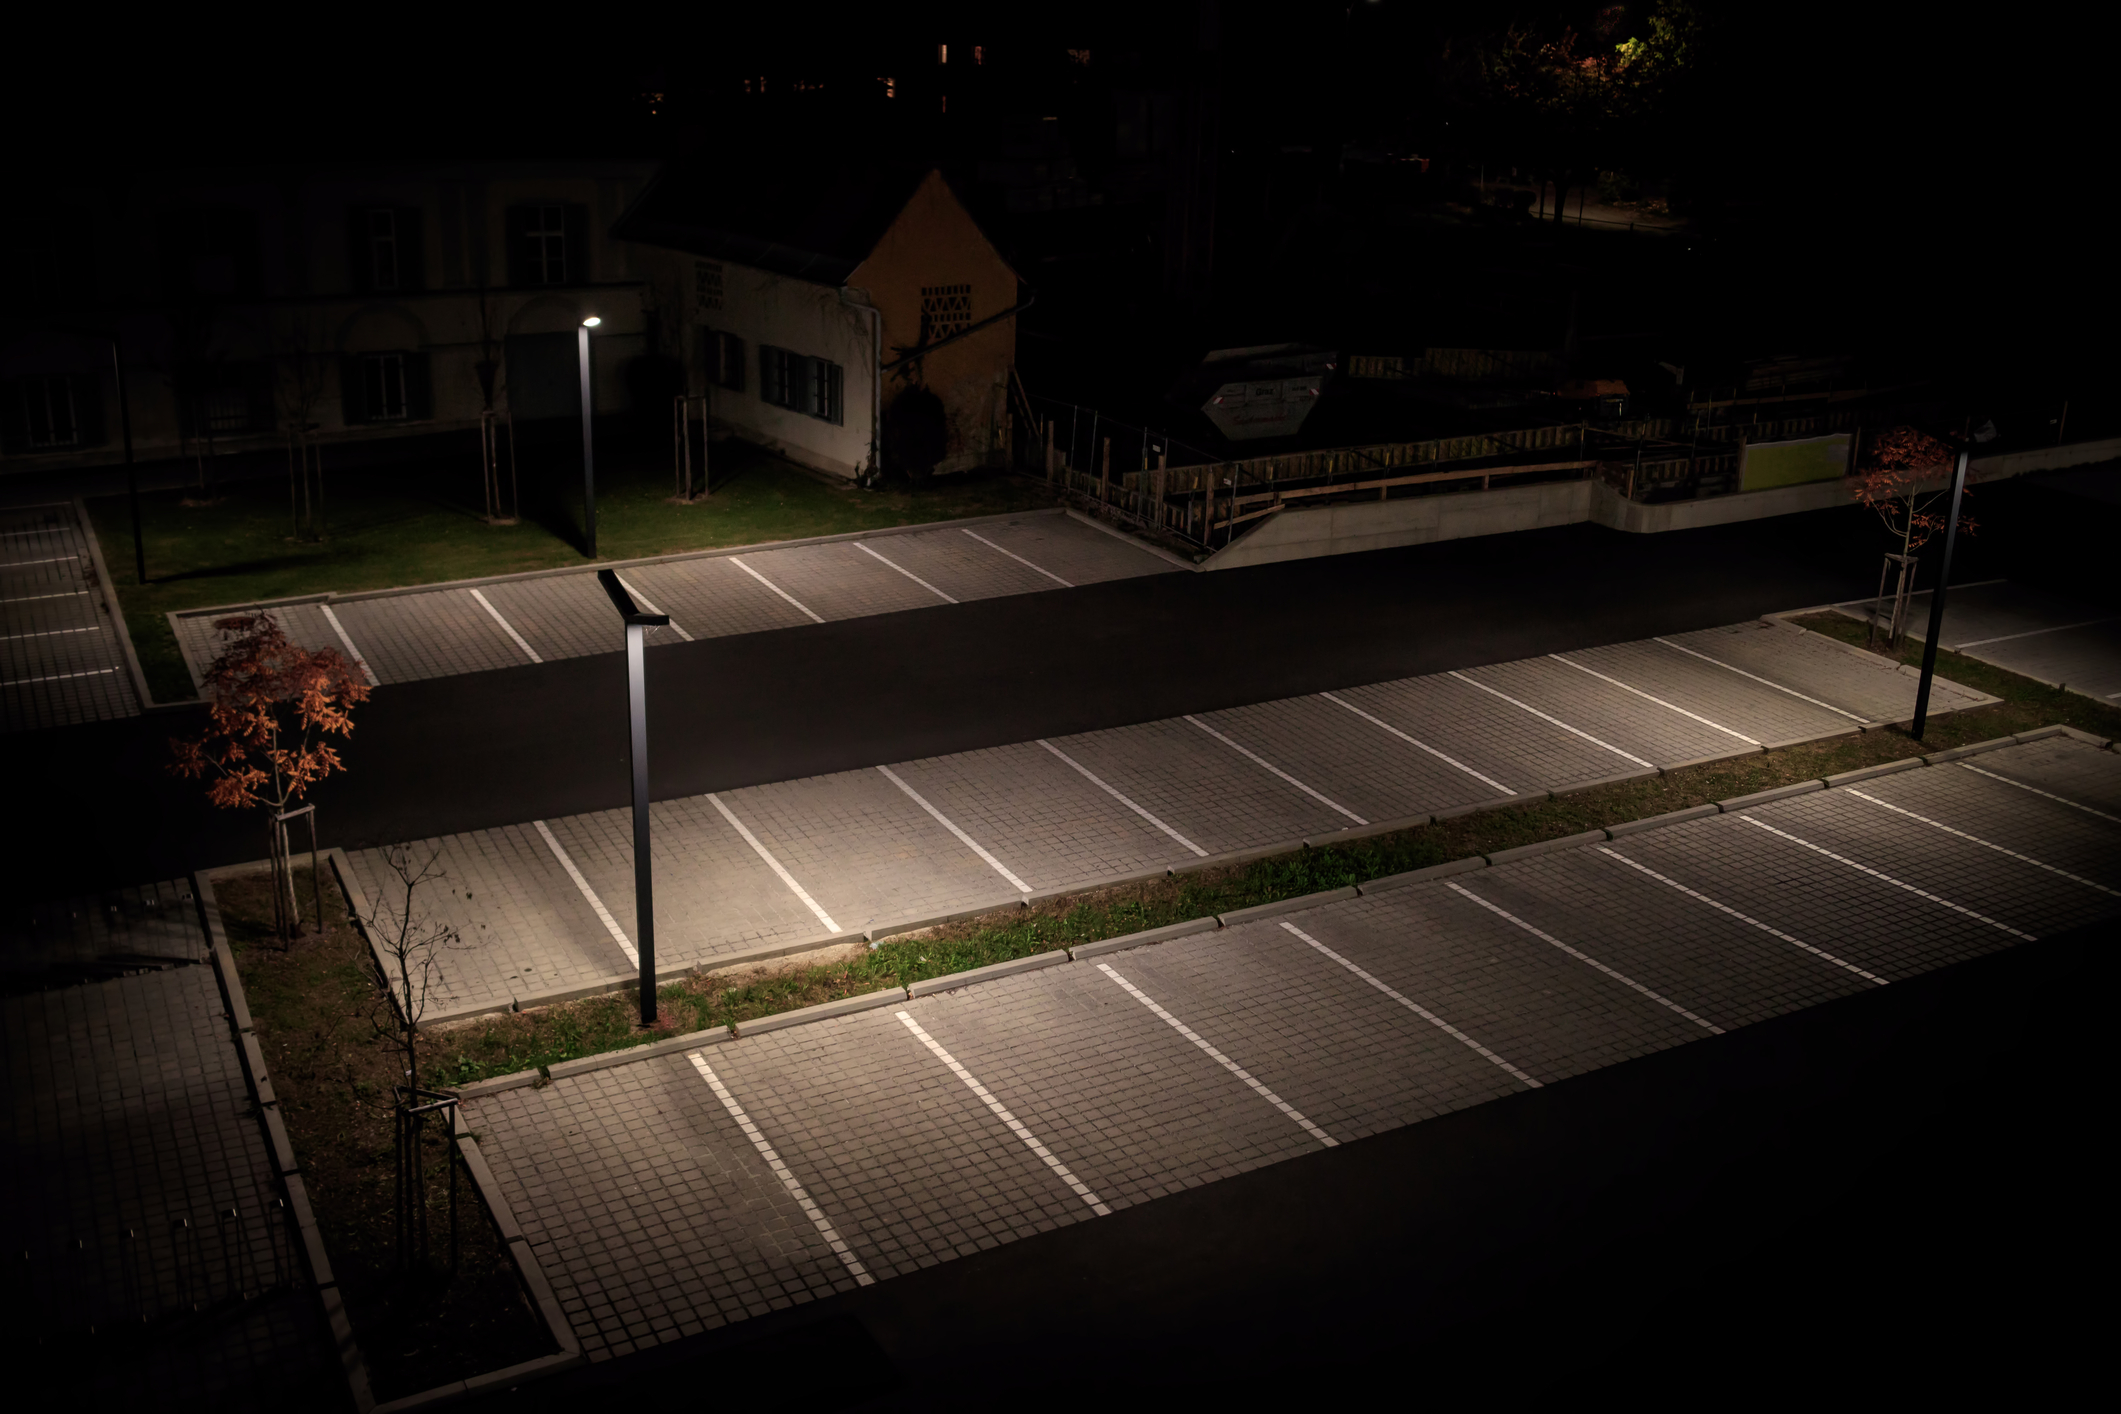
(1350,528)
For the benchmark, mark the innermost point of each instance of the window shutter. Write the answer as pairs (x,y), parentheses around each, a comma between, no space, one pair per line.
(419,388)
(835,389)
(770,373)
(412,251)
(360,274)
(353,396)
(578,267)
(519,265)
(732,363)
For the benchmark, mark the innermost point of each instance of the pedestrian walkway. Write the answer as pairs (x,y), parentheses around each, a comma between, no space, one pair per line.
(405,635)
(61,657)
(153,1252)
(676,1194)
(2049,638)
(546,908)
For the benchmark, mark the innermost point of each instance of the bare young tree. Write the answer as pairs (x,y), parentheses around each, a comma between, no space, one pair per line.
(1901,485)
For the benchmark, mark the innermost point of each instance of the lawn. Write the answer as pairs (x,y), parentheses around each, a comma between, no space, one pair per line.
(422,522)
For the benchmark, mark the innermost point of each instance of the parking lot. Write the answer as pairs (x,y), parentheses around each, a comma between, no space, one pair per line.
(674,1194)
(547,906)
(402,636)
(61,660)
(2049,638)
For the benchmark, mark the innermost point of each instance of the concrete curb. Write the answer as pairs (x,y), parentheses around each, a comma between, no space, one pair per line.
(1576,788)
(1979,748)
(107,592)
(2101,742)
(590,566)
(1421,876)
(515,1080)
(1144,938)
(972,977)
(1714,757)
(712,1036)
(1764,797)
(1658,822)
(893,930)
(1240,916)
(1136,541)
(823,1011)
(1474,807)
(1234,857)
(252,1058)
(1111,881)
(1369,831)
(1533,851)
(1852,729)
(1870,773)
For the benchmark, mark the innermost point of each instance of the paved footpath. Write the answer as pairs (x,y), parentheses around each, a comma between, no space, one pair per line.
(153,1251)
(678,1193)
(61,659)
(405,635)
(2047,637)
(547,907)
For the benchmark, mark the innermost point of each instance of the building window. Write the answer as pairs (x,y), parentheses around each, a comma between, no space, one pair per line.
(382,250)
(387,387)
(227,410)
(383,383)
(545,245)
(724,356)
(945,310)
(813,386)
(48,412)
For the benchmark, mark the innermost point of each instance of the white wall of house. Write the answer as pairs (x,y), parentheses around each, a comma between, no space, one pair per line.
(818,321)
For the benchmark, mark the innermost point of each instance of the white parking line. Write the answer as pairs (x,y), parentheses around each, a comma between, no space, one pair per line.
(963,838)
(33,598)
(780,1170)
(1001,1112)
(52,633)
(1586,959)
(1448,761)
(1748,919)
(1752,819)
(642,600)
(1019,559)
(1224,1061)
(57,677)
(2037,791)
(774,864)
(612,924)
(1986,844)
(352,652)
(1092,777)
(1263,762)
(1696,716)
(1574,731)
(507,627)
(860,545)
(738,561)
(53,560)
(1718,662)
(2029,633)
(1421,1011)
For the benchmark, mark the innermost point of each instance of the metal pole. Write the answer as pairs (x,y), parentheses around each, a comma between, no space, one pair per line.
(643,874)
(1944,575)
(589,461)
(132,480)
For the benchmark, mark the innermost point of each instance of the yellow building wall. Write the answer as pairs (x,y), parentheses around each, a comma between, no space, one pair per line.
(933,247)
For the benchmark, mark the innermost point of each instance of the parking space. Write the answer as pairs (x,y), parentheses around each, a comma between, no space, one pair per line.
(1491,742)
(677,1193)
(2056,770)
(2051,638)
(1347,757)
(1662,671)
(1628,724)
(1781,657)
(61,660)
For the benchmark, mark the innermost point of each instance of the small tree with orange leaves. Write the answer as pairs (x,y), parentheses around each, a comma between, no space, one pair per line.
(1899,482)
(271,703)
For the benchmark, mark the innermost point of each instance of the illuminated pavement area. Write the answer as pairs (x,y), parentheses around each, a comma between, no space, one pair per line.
(404,636)
(2049,638)
(60,657)
(672,1195)
(546,908)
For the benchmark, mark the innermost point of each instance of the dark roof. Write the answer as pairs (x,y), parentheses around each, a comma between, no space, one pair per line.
(813,221)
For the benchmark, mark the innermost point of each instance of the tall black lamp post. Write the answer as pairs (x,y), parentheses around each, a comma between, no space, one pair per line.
(589,455)
(132,479)
(1944,577)
(637,626)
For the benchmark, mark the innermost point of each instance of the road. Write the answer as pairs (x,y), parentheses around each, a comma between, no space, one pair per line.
(481,749)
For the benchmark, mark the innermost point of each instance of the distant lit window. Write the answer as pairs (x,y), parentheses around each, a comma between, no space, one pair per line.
(545,245)
(382,249)
(49,413)
(383,384)
(945,310)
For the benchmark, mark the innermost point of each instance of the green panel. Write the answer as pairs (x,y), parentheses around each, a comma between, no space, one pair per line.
(1794,463)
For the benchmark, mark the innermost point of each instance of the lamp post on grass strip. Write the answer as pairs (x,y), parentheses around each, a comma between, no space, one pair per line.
(1944,575)
(589,457)
(637,626)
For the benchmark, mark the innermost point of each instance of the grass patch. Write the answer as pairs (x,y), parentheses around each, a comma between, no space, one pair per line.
(501,1045)
(311,1005)
(421,524)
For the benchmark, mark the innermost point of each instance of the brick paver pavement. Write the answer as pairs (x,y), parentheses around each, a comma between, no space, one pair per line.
(1155,1069)
(61,660)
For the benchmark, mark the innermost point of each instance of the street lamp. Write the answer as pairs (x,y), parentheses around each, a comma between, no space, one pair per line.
(132,480)
(589,459)
(1944,576)
(637,626)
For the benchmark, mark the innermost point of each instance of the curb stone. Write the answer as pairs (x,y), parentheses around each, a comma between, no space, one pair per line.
(1369,831)
(1764,797)
(1658,822)
(823,1011)
(1142,939)
(1288,905)
(1868,773)
(1111,881)
(1713,757)
(1474,807)
(115,608)
(1979,748)
(1421,876)
(1532,851)
(604,1060)
(1231,858)
(972,977)
(1576,787)
(892,930)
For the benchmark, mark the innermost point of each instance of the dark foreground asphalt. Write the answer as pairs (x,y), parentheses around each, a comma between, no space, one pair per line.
(93,805)
(1897,1195)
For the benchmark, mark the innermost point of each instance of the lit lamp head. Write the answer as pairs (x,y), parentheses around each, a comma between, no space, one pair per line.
(591,322)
